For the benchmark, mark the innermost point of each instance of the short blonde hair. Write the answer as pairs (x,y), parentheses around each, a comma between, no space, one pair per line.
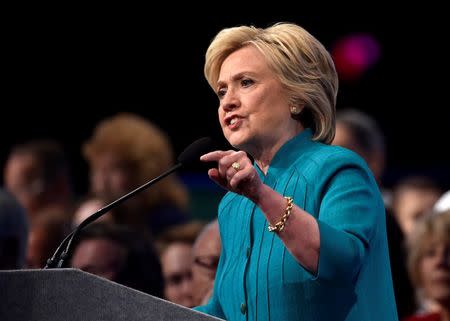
(302,64)
(435,227)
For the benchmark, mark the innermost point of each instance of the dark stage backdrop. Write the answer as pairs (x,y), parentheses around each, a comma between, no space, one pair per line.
(65,72)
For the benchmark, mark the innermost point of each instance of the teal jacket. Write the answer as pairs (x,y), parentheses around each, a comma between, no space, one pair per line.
(258,278)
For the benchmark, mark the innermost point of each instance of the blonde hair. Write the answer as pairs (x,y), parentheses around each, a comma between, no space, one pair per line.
(143,145)
(302,64)
(435,227)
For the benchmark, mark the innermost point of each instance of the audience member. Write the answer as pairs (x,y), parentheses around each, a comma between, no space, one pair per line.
(360,133)
(47,231)
(120,255)
(124,152)
(206,254)
(13,233)
(176,265)
(429,267)
(412,198)
(87,207)
(176,258)
(37,174)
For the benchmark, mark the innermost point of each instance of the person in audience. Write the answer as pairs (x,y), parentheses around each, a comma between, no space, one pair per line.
(119,254)
(206,254)
(429,266)
(176,267)
(13,232)
(124,152)
(360,133)
(87,207)
(175,247)
(37,174)
(47,231)
(412,198)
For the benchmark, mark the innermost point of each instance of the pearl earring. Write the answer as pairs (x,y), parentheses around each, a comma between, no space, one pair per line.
(295,110)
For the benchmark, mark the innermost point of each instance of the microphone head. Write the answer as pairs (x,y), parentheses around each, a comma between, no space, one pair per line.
(192,153)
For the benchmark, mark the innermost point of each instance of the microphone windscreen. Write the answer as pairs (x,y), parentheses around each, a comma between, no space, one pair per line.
(192,153)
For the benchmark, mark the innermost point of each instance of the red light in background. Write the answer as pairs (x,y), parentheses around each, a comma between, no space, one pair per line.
(354,54)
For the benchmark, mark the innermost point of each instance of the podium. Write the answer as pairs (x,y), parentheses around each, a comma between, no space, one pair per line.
(74,295)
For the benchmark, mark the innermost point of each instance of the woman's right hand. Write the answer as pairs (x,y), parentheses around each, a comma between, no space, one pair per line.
(235,172)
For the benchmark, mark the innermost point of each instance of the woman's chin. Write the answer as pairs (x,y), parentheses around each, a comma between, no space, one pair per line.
(235,140)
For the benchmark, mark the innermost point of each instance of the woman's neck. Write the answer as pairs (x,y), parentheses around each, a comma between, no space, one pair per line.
(264,155)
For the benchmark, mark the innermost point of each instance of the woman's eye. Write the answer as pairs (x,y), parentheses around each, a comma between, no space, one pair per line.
(246,82)
(221,93)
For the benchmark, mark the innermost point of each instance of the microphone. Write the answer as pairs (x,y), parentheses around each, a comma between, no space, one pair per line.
(189,156)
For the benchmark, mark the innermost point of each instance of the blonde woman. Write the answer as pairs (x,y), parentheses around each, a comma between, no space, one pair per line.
(303,226)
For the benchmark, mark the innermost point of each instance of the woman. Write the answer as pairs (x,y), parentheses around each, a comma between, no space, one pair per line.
(429,266)
(124,152)
(303,227)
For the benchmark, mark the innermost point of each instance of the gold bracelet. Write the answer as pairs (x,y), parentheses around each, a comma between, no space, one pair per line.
(278,227)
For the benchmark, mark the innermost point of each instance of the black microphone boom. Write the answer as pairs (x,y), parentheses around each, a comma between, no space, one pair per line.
(189,156)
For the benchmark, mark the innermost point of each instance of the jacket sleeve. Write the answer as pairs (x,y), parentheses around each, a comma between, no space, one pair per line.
(350,209)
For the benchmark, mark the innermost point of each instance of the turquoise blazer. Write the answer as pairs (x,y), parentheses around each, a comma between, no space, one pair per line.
(258,278)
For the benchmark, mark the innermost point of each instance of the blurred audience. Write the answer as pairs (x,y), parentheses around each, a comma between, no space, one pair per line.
(176,264)
(13,233)
(429,267)
(47,231)
(206,254)
(88,206)
(119,254)
(175,247)
(37,174)
(412,198)
(124,152)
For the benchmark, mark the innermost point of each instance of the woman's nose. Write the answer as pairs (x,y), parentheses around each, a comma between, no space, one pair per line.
(230,101)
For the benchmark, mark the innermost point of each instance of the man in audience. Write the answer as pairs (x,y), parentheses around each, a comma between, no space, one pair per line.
(206,254)
(37,174)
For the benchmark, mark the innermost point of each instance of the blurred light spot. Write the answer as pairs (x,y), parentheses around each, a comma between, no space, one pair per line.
(354,54)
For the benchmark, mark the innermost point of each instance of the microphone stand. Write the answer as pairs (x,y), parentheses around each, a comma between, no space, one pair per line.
(67,242)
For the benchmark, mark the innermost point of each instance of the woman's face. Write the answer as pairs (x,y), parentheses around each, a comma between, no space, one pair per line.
(110,177)
(254,109)
(435,272)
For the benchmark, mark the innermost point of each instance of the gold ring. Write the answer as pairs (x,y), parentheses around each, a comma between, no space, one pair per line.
(236,166)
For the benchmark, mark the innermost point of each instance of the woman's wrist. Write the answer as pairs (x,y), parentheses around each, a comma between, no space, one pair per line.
(260,193)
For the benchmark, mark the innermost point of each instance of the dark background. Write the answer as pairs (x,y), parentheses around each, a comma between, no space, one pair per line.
(64,71)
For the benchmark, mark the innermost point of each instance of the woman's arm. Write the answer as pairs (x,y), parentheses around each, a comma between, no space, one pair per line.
(301,232)
(331,246)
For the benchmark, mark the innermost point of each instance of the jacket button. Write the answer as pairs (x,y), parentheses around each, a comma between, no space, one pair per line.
(243,308)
